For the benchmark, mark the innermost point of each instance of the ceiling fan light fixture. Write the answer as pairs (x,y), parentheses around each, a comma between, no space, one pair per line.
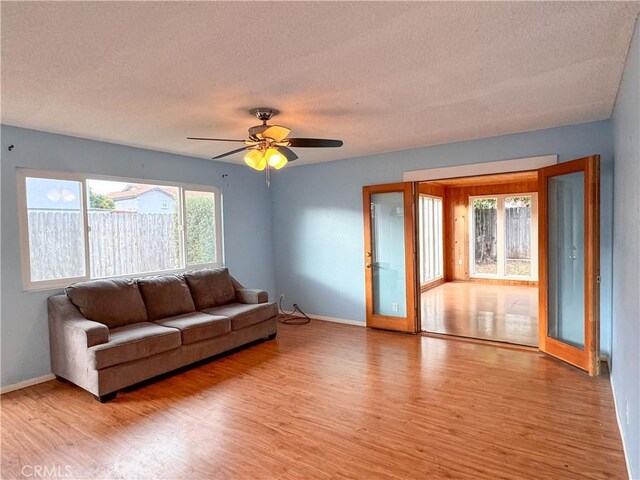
(268,145)
(275,159)
(255,159)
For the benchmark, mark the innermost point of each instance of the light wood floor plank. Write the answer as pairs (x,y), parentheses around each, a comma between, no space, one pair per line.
(330,401)
(503,313)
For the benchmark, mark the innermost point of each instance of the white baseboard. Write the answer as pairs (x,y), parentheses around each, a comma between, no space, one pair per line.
(617,412)
(333,319)
(27,383)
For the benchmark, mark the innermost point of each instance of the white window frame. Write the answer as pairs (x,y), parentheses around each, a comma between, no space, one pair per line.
(23,225)
(440,240)
(501,235)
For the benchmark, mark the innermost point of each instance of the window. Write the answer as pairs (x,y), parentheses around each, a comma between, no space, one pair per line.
(200,227)
(504,236)
(76,228)
(430,238)
(485,236)
(56,240)
(130,231)
(517,235)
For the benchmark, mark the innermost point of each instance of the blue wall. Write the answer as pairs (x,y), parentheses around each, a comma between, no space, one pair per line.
(625,374)
(317,213)
(313,213)
(247,226)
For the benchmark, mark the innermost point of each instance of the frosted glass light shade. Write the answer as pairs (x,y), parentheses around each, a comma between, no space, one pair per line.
(275,158)
(255,159)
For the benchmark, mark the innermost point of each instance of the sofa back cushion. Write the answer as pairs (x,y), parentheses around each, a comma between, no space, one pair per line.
(166,296)
(112,302)
(210,287)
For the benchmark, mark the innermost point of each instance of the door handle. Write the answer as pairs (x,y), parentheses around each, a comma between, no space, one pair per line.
(368,265)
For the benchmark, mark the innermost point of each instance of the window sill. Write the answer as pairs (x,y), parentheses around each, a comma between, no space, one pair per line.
(517,278)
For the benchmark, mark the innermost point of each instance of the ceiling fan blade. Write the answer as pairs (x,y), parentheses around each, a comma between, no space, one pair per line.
(288,153)
(230,153)
(313,143)
(214,139)
(276,132)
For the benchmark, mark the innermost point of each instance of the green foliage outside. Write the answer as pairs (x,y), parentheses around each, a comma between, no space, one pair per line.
(200,229)
(97,200)
(485,203)
(510,202)
(517,202)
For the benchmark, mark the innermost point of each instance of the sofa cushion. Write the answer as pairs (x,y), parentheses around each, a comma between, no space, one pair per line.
(210,287)
(197,326)
(244,315)
(113,302)
(133,342)
(166,296)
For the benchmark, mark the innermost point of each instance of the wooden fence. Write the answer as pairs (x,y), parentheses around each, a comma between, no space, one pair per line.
(56,242)
(517,234)
(120,243)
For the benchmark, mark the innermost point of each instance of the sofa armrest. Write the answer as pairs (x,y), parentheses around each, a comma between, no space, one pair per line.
(249,295)
(67,321)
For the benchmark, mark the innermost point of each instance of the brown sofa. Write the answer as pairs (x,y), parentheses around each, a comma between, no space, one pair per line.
(112,333)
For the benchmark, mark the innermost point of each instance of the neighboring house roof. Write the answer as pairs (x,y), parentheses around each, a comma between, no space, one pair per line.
(134,191)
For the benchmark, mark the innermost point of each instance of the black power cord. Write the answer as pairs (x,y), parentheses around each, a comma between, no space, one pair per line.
(289,318)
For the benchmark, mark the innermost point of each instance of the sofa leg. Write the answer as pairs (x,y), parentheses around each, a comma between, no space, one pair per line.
(106,398)
(272,336)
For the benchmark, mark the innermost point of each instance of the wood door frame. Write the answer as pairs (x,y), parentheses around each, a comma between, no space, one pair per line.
(388,322)
(484,190)
(588,359)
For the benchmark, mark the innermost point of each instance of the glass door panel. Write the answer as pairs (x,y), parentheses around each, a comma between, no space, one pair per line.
(387,242)
(565,196)
(389,237)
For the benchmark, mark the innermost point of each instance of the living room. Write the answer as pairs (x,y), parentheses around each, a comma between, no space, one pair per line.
(99,100)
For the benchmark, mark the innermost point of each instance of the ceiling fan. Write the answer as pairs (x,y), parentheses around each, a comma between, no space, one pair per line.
(268,145)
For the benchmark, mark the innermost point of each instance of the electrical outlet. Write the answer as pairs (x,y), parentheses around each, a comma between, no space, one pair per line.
(626,404)
(395,307)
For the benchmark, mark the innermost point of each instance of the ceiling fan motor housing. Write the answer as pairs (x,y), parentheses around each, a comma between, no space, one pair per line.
(264,114)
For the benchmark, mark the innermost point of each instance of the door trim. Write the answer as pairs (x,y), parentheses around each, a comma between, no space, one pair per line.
(483,168)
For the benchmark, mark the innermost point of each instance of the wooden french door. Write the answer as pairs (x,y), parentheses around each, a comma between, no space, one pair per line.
(569,262)
(390,256)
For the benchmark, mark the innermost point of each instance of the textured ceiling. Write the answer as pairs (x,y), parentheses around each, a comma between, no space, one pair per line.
(381,76)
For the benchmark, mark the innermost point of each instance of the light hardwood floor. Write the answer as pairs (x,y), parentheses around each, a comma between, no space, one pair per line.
(330,401)
(503,313)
